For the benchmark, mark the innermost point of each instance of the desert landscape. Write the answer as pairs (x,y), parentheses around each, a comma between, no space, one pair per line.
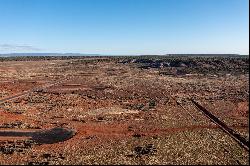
(124,110)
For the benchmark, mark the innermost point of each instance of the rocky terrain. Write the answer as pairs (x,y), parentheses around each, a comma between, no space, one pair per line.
(123,110)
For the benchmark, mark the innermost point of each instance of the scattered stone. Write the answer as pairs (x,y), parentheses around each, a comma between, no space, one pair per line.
(146,150)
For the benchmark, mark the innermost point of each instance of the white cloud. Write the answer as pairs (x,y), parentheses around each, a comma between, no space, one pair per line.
(14,47)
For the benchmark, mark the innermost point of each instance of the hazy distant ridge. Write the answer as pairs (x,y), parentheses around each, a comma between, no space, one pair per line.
(46,54)
(80,54)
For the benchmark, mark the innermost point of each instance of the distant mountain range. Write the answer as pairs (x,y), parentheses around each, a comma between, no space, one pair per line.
(206,55)
(46,54)
(79,54)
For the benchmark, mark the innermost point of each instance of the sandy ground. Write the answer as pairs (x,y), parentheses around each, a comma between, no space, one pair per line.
(122,114)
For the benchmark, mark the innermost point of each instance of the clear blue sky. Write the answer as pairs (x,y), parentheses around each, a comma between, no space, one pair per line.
(124,26)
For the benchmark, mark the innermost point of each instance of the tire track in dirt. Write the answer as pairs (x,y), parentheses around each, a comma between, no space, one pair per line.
(32,90)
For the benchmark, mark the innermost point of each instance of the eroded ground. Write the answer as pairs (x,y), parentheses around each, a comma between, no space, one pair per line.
(124,111)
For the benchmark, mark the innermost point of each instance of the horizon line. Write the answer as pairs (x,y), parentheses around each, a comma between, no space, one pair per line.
(121,54)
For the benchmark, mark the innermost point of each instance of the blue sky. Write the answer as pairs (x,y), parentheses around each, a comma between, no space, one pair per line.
(124,26)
